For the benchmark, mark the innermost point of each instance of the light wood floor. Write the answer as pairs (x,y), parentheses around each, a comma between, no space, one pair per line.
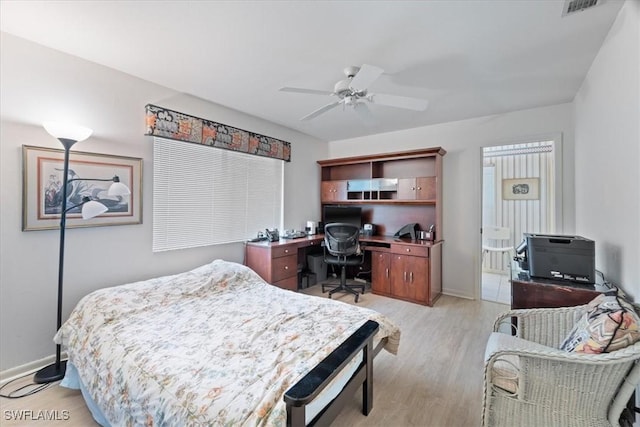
(435,380)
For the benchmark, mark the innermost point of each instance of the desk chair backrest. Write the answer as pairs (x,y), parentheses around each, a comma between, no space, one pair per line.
(341,239)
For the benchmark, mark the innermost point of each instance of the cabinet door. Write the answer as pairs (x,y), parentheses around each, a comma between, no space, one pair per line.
(423,188)
(407,189)
(418,277)
(400,285)
(380,274)
(426,188)
(333,191)
(410,278)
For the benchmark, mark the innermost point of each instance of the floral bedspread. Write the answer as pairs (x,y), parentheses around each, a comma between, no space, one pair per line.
(213,346)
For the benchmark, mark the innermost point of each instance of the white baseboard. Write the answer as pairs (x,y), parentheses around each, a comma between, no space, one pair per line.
(457,295)
(28,368)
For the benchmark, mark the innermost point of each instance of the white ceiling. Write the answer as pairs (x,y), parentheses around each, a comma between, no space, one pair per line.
(468,58)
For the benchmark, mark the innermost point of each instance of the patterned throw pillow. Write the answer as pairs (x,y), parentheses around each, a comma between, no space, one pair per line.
(610,323)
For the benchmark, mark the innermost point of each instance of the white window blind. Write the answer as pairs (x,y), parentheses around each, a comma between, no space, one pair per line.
(206,196)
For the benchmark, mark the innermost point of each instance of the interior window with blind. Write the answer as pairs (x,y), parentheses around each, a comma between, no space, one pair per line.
(207,196)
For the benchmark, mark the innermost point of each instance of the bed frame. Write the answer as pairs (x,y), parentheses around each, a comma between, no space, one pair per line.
(305,390)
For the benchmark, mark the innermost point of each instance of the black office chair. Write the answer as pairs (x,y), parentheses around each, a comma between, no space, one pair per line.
(342,247)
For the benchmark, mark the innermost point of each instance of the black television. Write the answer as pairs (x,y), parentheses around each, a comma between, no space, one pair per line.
(346,214)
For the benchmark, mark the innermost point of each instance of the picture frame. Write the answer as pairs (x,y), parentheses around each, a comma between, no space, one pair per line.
(42,177)
(521,189)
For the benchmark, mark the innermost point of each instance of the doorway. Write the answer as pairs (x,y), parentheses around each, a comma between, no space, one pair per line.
(521,193)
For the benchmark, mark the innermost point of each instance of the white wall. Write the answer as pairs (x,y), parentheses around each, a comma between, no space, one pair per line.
(462,175)
(607,146)
(39,84)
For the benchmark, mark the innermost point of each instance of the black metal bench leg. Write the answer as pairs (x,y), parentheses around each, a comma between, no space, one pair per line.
(367,385)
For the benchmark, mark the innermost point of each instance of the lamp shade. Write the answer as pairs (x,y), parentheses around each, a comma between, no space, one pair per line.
(70,131)
(118,189)
(92,209)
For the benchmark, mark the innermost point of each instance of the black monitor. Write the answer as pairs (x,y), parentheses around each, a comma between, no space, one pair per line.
(347,214)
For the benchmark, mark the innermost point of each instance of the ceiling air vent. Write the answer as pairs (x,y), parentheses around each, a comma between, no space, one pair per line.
(572,6)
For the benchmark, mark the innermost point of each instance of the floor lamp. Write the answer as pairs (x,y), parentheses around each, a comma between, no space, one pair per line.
(68,135)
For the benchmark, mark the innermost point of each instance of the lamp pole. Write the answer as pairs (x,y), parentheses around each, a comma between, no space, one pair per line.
(57,370)
(68,135)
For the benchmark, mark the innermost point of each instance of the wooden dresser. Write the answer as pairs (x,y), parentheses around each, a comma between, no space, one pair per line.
(533,292)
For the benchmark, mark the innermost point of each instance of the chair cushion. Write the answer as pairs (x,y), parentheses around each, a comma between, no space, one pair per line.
(506,368)
(505,371)
(609,324)
(350,260)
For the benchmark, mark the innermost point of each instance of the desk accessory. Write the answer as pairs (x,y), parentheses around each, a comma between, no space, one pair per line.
(409,230)
(312,227)
(294,234)
(369,230)
(272,234)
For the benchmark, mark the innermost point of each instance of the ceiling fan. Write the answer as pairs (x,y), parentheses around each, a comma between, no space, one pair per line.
(353,92)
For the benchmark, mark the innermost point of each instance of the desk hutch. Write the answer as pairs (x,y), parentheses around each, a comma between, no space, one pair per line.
(393,190)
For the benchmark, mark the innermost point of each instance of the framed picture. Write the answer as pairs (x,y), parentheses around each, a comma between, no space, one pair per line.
(521,189)
(42,177)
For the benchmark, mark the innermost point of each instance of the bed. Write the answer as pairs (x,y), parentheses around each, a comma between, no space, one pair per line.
(218,345)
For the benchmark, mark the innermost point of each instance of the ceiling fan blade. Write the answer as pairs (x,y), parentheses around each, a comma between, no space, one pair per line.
(363,111)
(363,78)
(399,101)
(321,110)
(302,90)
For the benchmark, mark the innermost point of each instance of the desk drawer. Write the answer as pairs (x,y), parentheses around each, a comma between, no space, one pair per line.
(284,250)
(290,283)
(422,251)
(284,267)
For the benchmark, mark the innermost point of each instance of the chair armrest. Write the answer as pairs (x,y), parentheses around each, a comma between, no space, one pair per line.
(503,344)
(549,368)
(560,381)
(546,326)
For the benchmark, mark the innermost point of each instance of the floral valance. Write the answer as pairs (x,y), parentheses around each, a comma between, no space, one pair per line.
(166,123)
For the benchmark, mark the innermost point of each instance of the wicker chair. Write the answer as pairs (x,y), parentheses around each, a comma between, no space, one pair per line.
(529,382)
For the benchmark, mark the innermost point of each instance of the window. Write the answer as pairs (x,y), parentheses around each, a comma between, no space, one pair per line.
(206,196)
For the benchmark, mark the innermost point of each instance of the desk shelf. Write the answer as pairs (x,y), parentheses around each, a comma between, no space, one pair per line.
(394,189)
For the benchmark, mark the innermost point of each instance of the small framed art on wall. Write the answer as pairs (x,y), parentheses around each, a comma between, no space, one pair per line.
(521,189)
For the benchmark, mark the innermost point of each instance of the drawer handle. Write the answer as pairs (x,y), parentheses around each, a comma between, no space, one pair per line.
(286,267)
(408,250)
(286,251)
(419,188)
(413,188)
(387,272)
(405,276)
(411,277)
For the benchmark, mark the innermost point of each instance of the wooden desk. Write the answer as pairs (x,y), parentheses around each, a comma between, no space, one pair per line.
(401,268)
(277,262)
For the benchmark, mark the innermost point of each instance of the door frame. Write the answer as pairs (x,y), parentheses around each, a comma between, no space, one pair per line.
(556,137)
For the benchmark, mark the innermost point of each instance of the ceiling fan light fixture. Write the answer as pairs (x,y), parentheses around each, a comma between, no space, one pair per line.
(351,71)
(343,86)
(354,92)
